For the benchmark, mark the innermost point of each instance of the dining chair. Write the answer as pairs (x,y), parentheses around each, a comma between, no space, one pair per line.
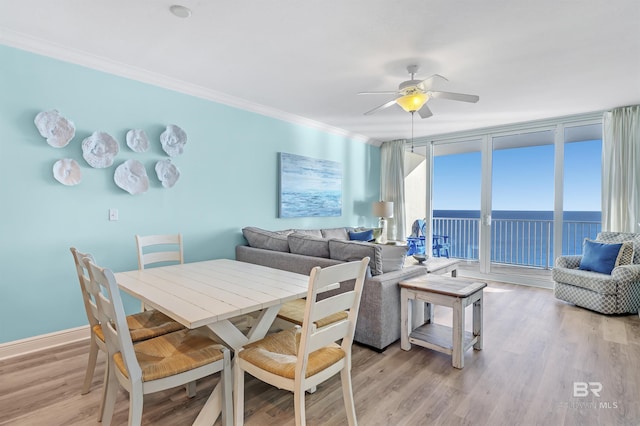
(164,248)
(292,312)
(142,326)
(154,249)
(152,365)
(301,358)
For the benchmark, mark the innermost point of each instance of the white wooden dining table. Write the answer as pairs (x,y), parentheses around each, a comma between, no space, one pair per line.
(210,293)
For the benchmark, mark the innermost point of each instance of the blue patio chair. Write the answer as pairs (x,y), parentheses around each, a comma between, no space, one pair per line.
(440,246)
(416,242)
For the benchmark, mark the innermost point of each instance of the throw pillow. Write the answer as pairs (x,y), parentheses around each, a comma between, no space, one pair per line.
(308,245)
(599,257)
(393,257)
(263,239)
(625,257)
(361,236)
(339,233)
(349,251)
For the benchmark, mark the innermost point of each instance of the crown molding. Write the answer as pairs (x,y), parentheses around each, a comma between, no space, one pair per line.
(57,51)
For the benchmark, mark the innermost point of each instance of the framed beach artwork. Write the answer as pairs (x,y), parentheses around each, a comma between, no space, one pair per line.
(309,186)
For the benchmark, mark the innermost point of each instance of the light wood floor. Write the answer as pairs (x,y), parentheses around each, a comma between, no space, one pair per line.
(535,348)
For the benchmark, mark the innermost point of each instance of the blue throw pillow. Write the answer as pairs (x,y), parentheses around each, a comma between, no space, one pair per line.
(361,236)
(599,257)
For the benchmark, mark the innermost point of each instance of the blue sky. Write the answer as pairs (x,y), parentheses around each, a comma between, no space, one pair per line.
(522,179)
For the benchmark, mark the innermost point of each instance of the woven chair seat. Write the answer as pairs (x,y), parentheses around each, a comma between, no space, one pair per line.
(277,353)
(172,354)
(145,325)
(293,312)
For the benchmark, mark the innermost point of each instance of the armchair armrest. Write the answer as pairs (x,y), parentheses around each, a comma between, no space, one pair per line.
(626,274)
(570,262)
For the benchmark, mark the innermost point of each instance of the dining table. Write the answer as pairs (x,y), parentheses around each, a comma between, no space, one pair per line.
(209,294)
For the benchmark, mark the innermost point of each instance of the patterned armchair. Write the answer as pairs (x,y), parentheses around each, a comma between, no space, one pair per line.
(618,293)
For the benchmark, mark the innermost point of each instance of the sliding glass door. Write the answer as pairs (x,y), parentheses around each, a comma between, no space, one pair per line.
(582,186)
(522,200)
(513,201)
(457,176)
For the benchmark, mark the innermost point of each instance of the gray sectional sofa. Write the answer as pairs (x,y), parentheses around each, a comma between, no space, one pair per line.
(300,250)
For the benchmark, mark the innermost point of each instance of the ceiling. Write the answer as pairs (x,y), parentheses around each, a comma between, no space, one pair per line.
(305,61)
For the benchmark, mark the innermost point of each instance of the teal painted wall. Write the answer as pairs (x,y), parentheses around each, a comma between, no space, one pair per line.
(229,180)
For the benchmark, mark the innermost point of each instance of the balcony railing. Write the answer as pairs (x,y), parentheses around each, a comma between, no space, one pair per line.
(522,242)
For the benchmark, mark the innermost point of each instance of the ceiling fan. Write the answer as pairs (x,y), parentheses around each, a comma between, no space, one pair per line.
(412,95)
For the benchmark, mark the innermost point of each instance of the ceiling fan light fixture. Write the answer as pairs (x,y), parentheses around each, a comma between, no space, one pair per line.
(180,11)
(413,101)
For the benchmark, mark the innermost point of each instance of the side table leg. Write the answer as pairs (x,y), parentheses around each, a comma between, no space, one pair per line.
(477,322)
(458,333)
(406,319)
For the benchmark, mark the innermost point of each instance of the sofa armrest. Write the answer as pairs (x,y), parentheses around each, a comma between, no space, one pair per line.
(569,262)
(379,316)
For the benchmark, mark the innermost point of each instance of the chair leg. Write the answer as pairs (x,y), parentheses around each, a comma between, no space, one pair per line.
(105,389)
(136,399)
(91,365)
(347,395)
(227,385)
(191,389)
(298,405)
(238,395)
(111,392)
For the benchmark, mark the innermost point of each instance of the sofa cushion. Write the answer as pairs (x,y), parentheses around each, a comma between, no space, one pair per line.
(349,251)
(361,236)
(268,240)
(593,281)
(312,232)
(338,233)
(599,257)
(308,245)
(393,257)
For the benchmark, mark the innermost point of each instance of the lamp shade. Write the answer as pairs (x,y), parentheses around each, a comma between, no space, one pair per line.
(413,101)
(383,209)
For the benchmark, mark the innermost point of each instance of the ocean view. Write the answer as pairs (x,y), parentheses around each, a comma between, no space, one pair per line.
(519,214)
(517,237)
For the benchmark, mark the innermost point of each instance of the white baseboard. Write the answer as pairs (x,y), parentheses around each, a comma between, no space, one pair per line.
(42,342)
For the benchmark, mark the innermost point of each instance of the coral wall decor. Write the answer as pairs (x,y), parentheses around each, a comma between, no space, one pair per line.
(167,173)
(132,177)
(58,130)
(99,150)
(137,140)
(173,140)
(67,171)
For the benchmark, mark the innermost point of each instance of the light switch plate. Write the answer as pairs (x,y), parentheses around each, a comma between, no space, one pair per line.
(113,214)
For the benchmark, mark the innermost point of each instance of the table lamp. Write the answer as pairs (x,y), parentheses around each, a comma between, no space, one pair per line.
(384,210)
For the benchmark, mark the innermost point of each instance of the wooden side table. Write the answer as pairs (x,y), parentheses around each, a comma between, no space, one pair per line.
(444,291)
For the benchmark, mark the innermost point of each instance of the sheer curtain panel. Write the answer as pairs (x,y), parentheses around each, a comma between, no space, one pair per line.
(621,170)
(392,185)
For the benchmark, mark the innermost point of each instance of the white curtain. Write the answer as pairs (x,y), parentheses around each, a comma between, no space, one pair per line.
(392,186)
(621,170)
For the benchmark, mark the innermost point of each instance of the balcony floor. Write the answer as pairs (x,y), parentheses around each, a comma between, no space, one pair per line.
(536,277)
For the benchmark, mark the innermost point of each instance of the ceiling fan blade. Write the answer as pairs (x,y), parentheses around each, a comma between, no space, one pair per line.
(389,92)
(378,108)
(425,84)
(425,112)
(454,96)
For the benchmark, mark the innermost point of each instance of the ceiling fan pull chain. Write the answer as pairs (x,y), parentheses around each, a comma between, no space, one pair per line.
(412,112)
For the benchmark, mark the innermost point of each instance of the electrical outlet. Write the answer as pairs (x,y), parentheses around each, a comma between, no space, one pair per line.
(113,214)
